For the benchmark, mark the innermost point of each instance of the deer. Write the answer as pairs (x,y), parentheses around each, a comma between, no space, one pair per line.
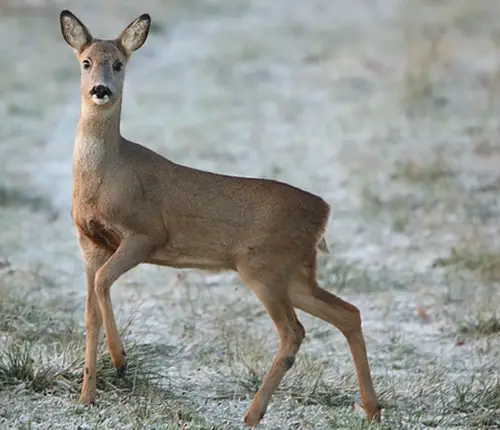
(132,206)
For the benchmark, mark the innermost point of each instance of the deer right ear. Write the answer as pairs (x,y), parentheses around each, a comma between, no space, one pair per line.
(136,33)
(74,32)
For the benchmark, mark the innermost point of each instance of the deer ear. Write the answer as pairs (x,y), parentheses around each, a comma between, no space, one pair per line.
(74,32)
(135,34)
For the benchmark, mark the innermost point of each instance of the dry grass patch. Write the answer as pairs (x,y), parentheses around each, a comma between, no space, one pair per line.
(426,30)
(305,384)
(397,209)
(243,358)
(432,34)
(431,401)
(479,401)
(17,197)
(487,144)
(42,354)
(423,57)
(482,324)
(43,351)
(339,276)
(418,187)
(56,368)
(481,261)
(429,173)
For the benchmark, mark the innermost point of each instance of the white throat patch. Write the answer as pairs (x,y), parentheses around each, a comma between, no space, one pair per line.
(89,153)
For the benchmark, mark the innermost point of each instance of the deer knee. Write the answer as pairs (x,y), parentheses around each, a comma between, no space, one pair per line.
(353,321)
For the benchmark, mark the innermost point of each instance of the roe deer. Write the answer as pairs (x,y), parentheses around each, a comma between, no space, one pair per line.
(131,206)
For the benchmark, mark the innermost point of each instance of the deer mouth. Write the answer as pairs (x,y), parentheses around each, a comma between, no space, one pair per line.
(100,100)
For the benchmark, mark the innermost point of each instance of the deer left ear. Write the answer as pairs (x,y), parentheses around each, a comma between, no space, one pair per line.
(135,34)
(74,32)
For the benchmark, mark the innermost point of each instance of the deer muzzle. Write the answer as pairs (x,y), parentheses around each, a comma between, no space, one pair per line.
(100,94)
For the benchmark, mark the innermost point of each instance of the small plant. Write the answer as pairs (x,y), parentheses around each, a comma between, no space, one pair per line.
(480,325)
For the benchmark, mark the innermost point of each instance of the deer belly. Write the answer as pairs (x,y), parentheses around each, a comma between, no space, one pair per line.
(196,242)
(190,259)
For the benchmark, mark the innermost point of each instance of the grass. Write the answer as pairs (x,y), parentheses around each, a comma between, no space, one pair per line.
(427,33)
(423,56)
(471,403)
(487,146)
(141,393)
(480,325)
(481,399)
(398,208)
(340,276)
(429,173)
(23,363)
(479,314)
(16,197)
(416,186)
(246,361)
(220,342)
(482,262)
(42,353)
(17,367)
(431,33)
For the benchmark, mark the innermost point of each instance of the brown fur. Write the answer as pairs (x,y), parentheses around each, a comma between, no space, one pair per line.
(132,206)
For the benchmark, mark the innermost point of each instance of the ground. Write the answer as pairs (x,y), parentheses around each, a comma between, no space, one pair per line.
(388,109)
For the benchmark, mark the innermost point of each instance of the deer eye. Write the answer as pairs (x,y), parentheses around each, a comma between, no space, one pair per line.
(117,67)
(86,64)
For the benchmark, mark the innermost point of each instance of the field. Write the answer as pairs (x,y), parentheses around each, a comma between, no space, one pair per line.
(388,109)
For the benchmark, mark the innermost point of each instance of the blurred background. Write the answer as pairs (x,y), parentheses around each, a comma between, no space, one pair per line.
(388,109)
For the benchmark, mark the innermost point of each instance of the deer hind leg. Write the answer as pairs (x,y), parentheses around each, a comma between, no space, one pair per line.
(306,295)
(94,258)
(271,290)
(132,251)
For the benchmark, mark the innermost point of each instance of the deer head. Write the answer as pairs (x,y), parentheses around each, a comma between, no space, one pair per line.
(103,62)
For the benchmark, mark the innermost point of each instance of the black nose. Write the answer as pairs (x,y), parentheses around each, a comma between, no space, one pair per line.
(100,91)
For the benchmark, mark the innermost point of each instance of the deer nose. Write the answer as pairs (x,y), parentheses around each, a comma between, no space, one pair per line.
(101,91)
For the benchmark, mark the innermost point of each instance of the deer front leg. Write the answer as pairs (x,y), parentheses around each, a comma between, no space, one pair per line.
(94,258)
(132,251)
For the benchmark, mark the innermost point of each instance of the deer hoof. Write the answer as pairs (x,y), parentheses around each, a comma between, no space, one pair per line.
(251,419)
(121,370)
(86,399)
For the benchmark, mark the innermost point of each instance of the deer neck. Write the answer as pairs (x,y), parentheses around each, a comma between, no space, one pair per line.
(98,137)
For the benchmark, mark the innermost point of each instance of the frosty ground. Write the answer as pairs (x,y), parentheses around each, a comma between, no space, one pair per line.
(387,109)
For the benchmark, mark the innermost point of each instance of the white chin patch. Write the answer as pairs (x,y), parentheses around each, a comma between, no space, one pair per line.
(99,101)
